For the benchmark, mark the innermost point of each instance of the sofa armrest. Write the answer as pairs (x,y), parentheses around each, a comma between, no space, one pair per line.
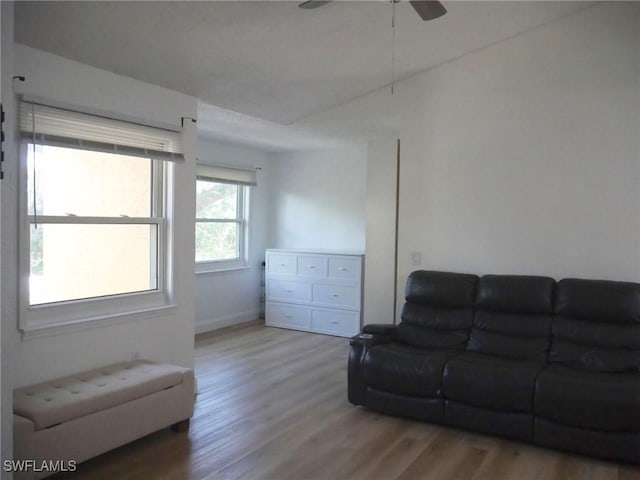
(380,329)
(359,345)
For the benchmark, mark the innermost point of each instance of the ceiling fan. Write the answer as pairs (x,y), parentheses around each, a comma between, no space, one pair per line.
(427,9)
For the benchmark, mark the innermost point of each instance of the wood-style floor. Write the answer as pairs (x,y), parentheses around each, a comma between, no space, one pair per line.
(272,404)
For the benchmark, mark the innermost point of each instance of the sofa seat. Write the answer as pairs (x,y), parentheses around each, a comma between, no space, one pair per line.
(491,382)
(76,396)
(588,399)
(406,370)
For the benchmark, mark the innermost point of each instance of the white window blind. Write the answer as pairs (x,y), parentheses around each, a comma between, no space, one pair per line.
(54,126)
(231,175)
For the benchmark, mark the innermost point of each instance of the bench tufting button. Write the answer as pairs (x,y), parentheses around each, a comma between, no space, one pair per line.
(75,391)
(47,399)
(101,384)
(29,394)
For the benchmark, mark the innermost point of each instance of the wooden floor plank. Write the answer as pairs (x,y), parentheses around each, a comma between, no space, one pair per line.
(272,404)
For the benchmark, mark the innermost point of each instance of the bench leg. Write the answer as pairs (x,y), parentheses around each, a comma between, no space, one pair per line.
(181,427)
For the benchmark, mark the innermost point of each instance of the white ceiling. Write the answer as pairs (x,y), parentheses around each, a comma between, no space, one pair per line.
(265,64)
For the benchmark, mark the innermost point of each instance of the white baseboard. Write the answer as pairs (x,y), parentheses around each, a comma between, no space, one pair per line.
(226,321)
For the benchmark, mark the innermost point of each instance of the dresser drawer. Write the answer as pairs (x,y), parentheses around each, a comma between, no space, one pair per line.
(312,266)
(288,316)
(345,268)
(281,263)
(314,291)
(336,296)
(335,322)
(286,291)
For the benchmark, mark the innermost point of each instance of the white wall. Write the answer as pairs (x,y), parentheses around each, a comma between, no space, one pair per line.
(164,336)
(523,157)
(318,199)
(7,307)
(227,298)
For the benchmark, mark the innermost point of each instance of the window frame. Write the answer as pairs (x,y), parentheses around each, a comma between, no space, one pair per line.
(242,220)
(37,317)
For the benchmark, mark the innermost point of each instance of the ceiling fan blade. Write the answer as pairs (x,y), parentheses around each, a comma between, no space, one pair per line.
(309,4)
(427,9)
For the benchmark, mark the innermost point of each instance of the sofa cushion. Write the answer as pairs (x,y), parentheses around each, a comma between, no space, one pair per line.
(57,401)
(441,289)
(438,312)
(491,382)
(597,325)
(429,327)
(591,400)
(405,370)
(596,358)
(513,317)
(504,341)
(598,300)
(521,294)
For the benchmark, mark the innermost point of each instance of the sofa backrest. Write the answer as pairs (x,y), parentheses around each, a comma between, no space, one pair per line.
(438,312)
(597,325)
(513,316)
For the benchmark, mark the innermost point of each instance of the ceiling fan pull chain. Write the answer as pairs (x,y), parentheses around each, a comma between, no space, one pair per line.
(393,45)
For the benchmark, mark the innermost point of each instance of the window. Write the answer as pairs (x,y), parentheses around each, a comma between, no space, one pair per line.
(94,224)
(97,224)
(221,217)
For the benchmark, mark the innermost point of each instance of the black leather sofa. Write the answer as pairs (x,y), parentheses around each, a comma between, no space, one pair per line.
(524,357)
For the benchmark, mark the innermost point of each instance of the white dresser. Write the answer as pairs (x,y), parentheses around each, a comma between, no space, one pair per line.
(314,291)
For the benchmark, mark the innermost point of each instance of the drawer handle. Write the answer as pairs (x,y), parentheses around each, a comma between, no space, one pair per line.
(334,295)
(344,269)
(288,291)
(311,266)
(288,316)
(283,264)
(334,322)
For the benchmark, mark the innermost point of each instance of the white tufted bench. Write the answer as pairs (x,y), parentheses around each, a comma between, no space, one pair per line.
(83,415)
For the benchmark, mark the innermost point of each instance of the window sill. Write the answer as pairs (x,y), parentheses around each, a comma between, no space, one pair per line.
(38,331)
(223,270)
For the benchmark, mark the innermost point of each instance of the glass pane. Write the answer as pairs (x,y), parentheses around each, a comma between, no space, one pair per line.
(70,262)
(216,241)
(87,183)
(216,200)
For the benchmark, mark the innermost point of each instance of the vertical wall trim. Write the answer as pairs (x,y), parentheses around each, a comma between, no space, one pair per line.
(395,261)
